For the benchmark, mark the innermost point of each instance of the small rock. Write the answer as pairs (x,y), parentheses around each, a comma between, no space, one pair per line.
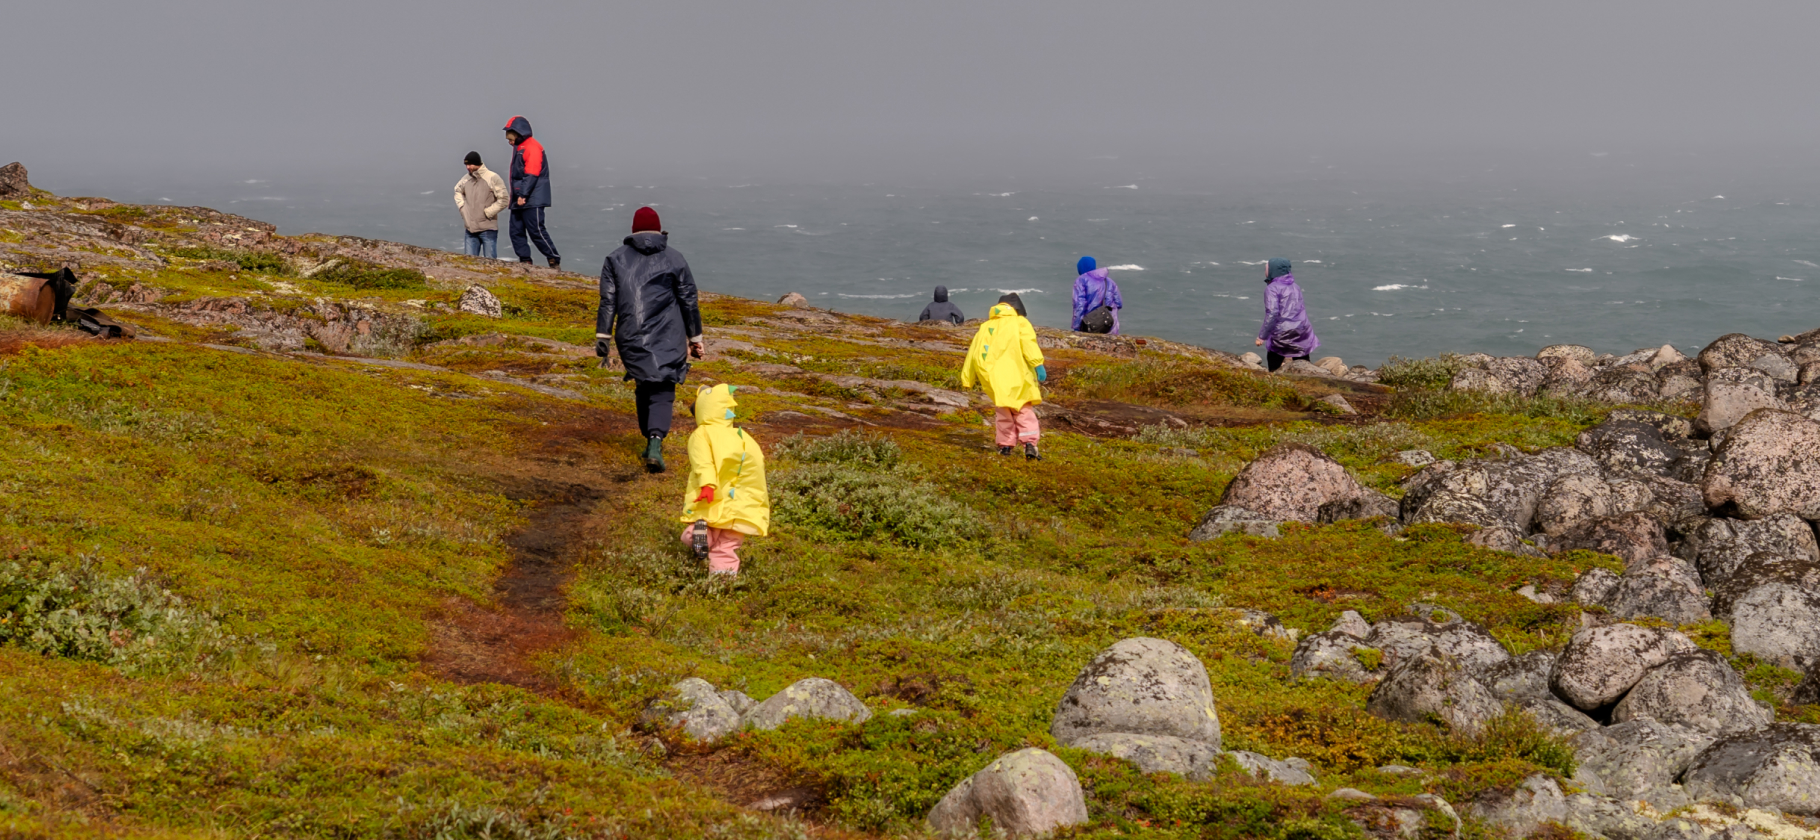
(1333,365)
(1368,504)
(738,701)
(478,301)
(1253,360)
(1697,690)
(1520,812)
(1503,538)
(1227,519)
(814,698)
(1780,624)
(1270,770)
(1139,686)
(1593,587)
(1677,829)
(1428,687)
(1583,355)
(1352,624)
(1027,793)
(1331,655)
(794,299)
(14,180)
(1414,457)
(1600,664)
(1347,794)
(697,708)
(1339,402)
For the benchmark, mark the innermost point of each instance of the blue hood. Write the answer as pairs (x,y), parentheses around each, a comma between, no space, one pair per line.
(1278,268)
(520,125)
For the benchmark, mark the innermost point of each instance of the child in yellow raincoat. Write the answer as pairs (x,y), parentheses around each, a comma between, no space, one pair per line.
(1007,364)
(726,500)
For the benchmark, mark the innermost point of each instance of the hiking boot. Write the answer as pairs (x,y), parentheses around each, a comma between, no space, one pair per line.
(698,538)
(1030,453)
(1004,450)
(525,261)
(556,265)
(654,455)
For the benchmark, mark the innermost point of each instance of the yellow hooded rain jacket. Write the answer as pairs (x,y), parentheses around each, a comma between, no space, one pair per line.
(725,456)
(1003,359)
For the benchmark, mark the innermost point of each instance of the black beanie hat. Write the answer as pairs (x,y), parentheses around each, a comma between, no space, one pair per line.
(473,159)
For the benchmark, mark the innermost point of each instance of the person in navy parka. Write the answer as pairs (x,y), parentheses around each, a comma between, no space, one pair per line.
(649,312)
(530,181)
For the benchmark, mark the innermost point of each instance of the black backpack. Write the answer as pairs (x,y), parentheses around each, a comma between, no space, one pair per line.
(62,284)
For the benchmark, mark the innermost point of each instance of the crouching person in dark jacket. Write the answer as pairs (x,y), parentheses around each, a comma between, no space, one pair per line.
(648,309)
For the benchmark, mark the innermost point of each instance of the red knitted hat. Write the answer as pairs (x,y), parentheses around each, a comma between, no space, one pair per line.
(646,219)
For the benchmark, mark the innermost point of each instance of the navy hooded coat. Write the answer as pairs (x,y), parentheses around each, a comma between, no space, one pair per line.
(530,173)
(648,305)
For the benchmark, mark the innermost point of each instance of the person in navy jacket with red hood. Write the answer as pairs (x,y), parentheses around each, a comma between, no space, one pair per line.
(530,179)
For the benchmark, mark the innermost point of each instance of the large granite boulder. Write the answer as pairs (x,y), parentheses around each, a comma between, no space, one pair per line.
(1659,587)
(1761,568)
(1731,395)
(1579,353)
(1736,350)
(1490,492)
(1291,482)
(1769,464)
(814,698)
(1028,793)
(1777,767)
(1627,383)
(1629,445)
(697,708)
(1779,624)
(1566,377)
(1634,757)
(1697,690)
(1139,686)
(1600,664)
(1432,688)
(14,181)
(1719,547)
(1407,637)
(1573,500)
(1632,537)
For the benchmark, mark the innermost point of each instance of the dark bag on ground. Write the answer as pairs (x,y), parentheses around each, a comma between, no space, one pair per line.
(63,284)
(96,323)
(1099,320)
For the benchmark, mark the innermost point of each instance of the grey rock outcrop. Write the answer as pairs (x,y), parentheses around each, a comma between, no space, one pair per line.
(695,707)
(1193,760)
(1631,758)
(1718,547)
(1735,350)
(14,181)
(1696,690)
(1367,504)
(794,300)
(1232,519)
(1759,569)
(1331,655)
(1028,793)
(1408,637)
(1291,482)
(1661,587)
(1603,816)
(1777,767)
(1139,686)
(1593,586)
(1490,492)
(1629,445)
(1292,771)
(1428,688)
(1581,354)
(1600,664)
(1778,623)
(813,698)
(1523,680)
(1521,811)
(478,301)
(1769,464)
(1632,537)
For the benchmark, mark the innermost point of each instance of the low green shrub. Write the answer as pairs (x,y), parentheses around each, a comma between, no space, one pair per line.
(258,262)
(1436,404)
(848,447)
(367,276)
(1515,735)
(76,611)
(850,503)
(1430,373)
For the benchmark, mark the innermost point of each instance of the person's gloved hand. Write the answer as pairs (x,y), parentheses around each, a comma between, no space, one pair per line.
(603,347)
(1041,374)
(707,493)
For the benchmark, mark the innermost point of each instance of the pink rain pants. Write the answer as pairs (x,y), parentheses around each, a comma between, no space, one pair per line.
(1015,427)
(722,545)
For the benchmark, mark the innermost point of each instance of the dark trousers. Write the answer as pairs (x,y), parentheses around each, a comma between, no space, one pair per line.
(1277,361)
(656,405)
(527,223)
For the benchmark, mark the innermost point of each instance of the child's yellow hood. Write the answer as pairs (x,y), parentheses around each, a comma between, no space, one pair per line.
(714,405)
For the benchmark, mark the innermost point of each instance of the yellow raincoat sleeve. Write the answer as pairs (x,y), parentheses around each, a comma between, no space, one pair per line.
(1033,354)
(701,468)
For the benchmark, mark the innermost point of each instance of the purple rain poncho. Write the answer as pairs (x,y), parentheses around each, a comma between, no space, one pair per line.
(1286,331)
(1093,289)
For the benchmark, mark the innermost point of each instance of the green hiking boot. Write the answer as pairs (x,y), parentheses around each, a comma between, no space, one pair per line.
(654,455)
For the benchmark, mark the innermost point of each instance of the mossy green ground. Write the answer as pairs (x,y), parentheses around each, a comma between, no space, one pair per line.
(322,515)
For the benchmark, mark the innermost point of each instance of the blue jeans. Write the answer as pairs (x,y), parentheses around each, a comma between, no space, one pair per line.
(527,224)
(483,244)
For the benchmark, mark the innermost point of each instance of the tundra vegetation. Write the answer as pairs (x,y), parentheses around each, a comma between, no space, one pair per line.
(241,586)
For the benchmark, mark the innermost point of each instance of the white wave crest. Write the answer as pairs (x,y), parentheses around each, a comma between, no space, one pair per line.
(1032,218)
(1580,270)
(1510,226)
(1796,279)
(1808,264)
(1248,262)
(1019,291)
(876,297)
(1125,187)
(1125,267)
(1618,237)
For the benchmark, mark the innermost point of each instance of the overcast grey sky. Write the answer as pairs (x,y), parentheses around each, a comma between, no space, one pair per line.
(859,87)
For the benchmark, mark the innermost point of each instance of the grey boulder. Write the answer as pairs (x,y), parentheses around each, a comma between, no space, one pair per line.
(1759,569)
(1330,655)
(1628,759)
(1769,464)
(1290,482)
(1697,690)
(1193,760)
(1630,537)
(1407,637)
(1489,492)
(1603,816)
(738,701)
(814,698)
(1028,793)
(1718,547)
(476,300)
(1431,688)
(1779,624)
(1139,686)
(1291,771)
(1367,504)
(1593,586)
(1777,767)
(1663,588)
(697,709)
(1232,519)
(1731,395)
(1521,811)
(1735,350)
(1600,664)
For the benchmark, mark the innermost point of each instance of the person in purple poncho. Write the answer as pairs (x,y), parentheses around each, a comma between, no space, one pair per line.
(1094,288)
(1286,326)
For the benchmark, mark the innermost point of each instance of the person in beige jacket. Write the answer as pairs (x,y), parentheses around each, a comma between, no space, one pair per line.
(480,195)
